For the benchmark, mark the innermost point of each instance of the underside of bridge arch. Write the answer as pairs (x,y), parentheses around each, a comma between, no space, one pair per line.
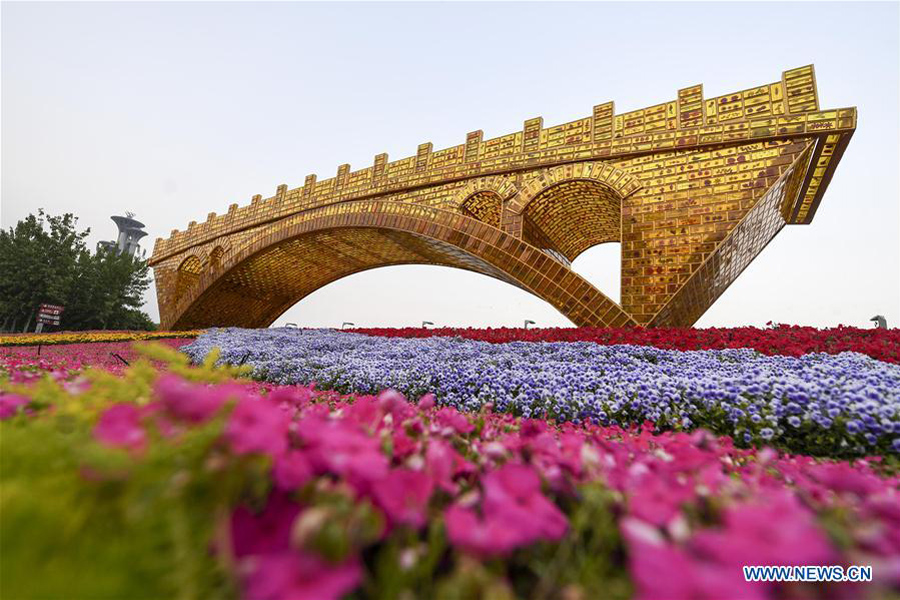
(571,216)
(485,206)
(288,263)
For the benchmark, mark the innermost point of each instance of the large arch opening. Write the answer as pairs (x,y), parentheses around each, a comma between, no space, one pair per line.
(602,266)
(571,216)
(292,258)
(408,295)
(260,289)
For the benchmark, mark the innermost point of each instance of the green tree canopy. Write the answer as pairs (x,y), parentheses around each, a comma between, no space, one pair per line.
(44,259)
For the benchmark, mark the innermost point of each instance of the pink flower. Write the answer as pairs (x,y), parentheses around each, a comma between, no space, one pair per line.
(662,571)
(120,425)
(426,402)
(483,537)
(403,495)
(440,461)
(403,444)
(515,513)
(341,448)
(394,403)
(257,425)
(295,396)
(775,530)
(657,499)
(191,402)
(300,576)
(10,403)
(455,421)
(292,470)
(366,411)
(514,491)
(266,532)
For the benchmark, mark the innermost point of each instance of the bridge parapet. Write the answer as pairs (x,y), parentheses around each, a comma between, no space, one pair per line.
(783,109)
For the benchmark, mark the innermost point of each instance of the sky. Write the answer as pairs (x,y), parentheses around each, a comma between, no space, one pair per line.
(175,110)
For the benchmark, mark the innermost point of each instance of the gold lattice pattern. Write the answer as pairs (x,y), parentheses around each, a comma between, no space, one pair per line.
(484,206)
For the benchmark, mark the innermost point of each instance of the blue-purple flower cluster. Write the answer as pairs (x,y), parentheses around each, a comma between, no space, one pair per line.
(842,404)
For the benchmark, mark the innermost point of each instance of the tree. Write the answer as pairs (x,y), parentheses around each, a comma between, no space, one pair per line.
(44,259)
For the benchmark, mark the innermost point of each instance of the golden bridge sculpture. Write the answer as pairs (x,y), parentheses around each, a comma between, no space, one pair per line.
(693,189)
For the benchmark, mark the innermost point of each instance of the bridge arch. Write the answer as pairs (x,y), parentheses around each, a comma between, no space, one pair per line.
(613,177)
(293,257)
(483,199)
(571,208)
(188,274)
(216,255)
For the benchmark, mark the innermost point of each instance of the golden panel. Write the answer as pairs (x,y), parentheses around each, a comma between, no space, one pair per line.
(679,183)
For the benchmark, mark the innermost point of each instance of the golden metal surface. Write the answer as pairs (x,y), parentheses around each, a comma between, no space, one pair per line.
(693,189)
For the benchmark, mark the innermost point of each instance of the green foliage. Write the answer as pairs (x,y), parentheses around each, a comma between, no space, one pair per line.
(82,520)
(44,259)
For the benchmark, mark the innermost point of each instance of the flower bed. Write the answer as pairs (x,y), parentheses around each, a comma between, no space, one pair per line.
(22,363)
(883,344)
(189,485)
(86,337)
(846,404)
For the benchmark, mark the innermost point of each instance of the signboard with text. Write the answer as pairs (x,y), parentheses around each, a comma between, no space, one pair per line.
(49,314)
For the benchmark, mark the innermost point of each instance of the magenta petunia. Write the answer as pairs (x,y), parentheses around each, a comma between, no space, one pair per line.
(775,529)
(262,532)
(663,571)
(292,470)
(403,494)
(120,426)
(257,425)
(341,448)
(300,576)
(426,402)
(453,421)
(395,404)
(10,405)
(515,513)
(192,402)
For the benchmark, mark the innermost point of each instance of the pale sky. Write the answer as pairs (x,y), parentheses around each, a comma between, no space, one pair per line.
(175,110)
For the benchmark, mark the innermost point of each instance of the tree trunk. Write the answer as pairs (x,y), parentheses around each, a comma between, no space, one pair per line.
(28,323)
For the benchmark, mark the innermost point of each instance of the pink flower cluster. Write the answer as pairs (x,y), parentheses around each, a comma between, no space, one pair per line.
(26,363)
(691,508)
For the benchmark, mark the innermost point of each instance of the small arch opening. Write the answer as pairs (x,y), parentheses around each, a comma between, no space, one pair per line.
(485,206)
(215,257)
(571,216)
(188,274)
